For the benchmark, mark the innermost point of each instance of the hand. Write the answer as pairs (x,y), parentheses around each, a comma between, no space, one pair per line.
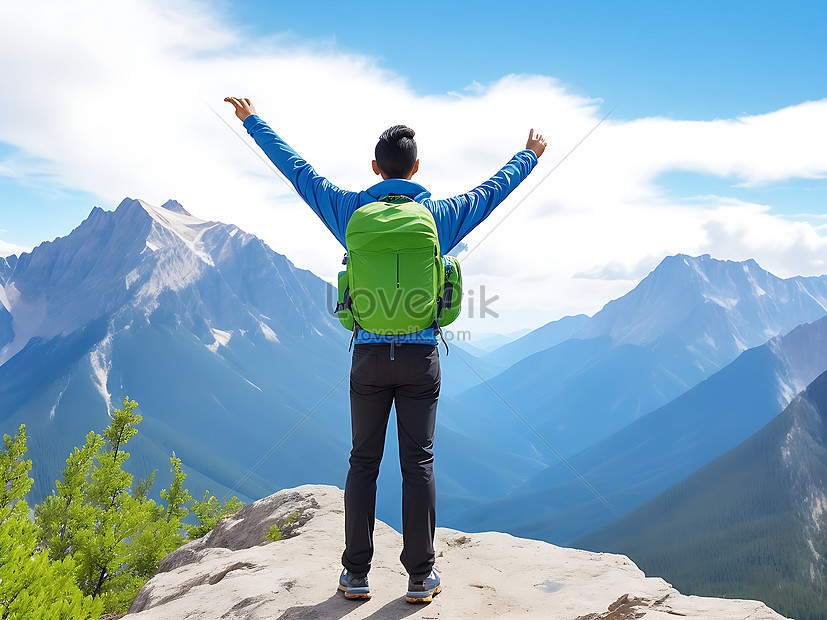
(243,107)
(538,144)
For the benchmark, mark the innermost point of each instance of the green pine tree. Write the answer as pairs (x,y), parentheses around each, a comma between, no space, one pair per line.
(31,586)
(163,534)
(140,488)
(102,521)
(14,474)
(208,511)
(177,495)
(103,549)
(64,515)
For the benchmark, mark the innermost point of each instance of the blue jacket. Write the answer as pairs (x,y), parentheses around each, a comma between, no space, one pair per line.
(455,217)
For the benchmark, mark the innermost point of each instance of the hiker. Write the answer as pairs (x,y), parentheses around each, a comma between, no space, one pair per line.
(401,368)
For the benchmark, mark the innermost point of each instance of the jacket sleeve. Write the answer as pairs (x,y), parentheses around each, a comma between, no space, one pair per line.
(456,217)
(333,205)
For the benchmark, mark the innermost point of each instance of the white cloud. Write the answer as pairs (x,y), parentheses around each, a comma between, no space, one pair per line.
(113,96)
(7,249)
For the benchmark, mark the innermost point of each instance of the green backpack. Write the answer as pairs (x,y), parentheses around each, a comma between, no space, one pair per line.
(396,281)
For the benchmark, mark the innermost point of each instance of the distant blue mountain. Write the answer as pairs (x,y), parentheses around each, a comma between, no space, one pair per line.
(485,342)
(537,340)
(750,524)
(6,320)
(687,319)
(636,463)
(6,328)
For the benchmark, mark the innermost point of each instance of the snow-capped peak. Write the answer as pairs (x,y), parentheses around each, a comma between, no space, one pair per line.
(716,307)
(174,205)
(143,262)
(174,218)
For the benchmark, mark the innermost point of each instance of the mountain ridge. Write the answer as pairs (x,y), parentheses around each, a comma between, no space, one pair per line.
(686,320)
(647,456)
(755,517)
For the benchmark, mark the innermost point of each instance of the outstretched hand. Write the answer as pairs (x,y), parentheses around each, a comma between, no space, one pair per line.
(243,107)
(536,144)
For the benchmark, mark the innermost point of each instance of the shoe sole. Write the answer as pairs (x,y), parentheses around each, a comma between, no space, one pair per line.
(424,599)
(354,596)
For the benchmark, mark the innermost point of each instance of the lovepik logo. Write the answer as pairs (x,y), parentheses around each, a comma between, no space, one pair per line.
(413,303)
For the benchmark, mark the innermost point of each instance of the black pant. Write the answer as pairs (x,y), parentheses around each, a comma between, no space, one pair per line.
(412,379)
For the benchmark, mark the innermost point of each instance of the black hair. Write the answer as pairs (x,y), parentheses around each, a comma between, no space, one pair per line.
(396,151)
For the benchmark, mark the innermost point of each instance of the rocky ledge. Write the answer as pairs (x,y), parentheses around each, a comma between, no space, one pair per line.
(235,573)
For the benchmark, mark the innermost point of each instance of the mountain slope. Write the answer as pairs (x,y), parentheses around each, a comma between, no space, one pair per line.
(540,339)
(228,348)
(686,320)
(752,523)
(222,341)
(641,460)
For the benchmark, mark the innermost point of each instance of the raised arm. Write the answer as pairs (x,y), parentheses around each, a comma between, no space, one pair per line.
(458,216)
(334,206)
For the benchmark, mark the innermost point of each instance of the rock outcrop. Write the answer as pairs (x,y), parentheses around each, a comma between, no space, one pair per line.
(235,573)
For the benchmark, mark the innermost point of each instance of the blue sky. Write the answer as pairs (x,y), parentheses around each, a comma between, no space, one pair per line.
(713,147)
(681,59)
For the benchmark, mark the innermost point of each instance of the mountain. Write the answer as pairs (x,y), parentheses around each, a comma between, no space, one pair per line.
(536,340)
(234,572)
(229,349)
(751,523)
(646,457)
(6,320)
(488,341)
(687,319)
(224,343)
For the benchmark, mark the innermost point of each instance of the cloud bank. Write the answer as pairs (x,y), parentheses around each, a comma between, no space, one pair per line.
(115,97)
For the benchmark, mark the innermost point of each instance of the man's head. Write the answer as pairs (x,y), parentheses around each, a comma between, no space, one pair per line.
(396,153)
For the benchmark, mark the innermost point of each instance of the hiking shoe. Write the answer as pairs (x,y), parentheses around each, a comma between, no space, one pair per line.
(354,587)
(423,591)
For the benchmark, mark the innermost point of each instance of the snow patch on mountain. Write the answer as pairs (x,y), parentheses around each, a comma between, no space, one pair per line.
(222,339)
(251,383)
(186,227)
(132,277)
(696,267)
(27,321)
(269,334)
(787,390)
(174,271)
(100,360)
(756,288)
(3,299)
(819,504)
(727,304)
(707,340)
(59,396)
(820,302)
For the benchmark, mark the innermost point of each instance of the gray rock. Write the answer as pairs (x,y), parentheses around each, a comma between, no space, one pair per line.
(235,573)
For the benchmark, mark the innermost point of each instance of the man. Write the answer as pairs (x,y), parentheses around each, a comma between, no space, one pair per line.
(410,377)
